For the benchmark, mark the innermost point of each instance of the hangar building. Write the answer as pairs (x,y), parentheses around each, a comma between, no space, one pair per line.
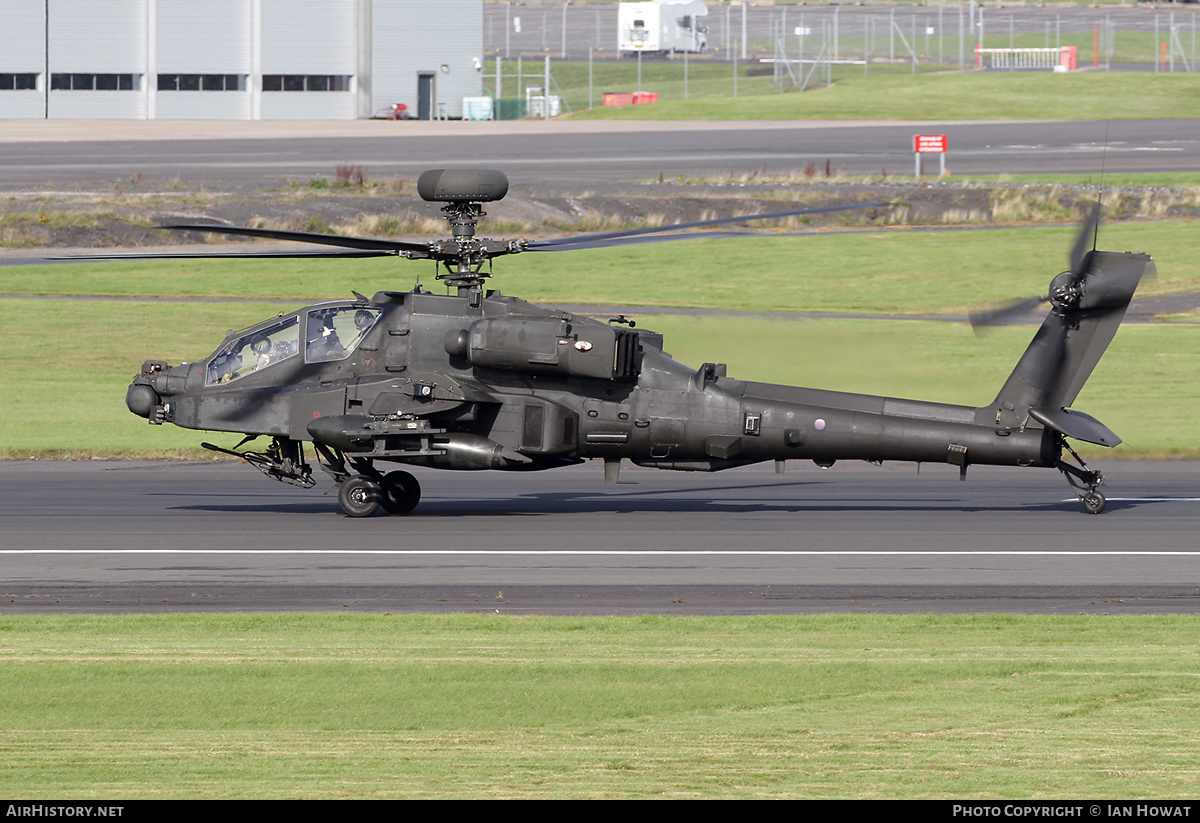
(238,59)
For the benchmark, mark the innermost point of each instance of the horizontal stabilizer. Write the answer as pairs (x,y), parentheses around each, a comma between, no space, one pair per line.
(1077,425)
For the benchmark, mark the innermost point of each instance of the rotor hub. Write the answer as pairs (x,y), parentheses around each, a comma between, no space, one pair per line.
(1066,290)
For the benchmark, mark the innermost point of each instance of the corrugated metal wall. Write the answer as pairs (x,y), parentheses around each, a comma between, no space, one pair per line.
(410,39)
(167,56)
(210,38)
(94,37)
(309,37)
(22,51)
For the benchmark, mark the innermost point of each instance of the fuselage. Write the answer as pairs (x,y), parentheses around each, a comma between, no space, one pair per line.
(492,381)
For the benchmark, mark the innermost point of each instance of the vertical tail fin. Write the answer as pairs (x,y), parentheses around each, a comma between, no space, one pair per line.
(1088,306)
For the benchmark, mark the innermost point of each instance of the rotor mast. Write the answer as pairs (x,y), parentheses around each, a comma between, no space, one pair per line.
(464,191)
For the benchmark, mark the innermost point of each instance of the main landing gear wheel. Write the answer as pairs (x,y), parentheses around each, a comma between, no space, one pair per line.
(401,492)
(1093,502)
(360,496)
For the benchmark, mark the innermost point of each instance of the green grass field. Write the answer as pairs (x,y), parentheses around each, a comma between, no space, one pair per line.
(878,272)
(887,93)
(489,706)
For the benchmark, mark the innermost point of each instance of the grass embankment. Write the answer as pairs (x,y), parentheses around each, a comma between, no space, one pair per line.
(68,362)
(373,706)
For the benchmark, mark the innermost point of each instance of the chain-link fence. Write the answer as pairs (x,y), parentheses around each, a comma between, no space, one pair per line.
(945,35)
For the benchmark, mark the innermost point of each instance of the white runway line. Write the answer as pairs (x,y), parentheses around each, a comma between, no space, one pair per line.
(602,553)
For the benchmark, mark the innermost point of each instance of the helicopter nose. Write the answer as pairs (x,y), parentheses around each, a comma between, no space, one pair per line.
(141,399)
(146,396)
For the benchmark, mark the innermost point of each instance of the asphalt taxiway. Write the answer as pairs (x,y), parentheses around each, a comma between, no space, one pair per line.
(41,155)
(101,536)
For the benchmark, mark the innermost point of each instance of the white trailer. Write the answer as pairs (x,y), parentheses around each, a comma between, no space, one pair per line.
(662,27)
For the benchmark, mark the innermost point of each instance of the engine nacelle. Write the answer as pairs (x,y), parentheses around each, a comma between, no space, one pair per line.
(550,345)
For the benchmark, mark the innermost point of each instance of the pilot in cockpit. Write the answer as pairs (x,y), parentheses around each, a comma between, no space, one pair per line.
(323,342)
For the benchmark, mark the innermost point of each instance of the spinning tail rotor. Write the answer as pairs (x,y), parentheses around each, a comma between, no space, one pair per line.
(1088,302)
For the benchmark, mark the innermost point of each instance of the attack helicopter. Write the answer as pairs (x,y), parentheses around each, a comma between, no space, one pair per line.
(478,380)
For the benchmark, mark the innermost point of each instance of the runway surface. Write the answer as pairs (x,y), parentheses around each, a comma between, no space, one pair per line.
(33,155)
(102,536)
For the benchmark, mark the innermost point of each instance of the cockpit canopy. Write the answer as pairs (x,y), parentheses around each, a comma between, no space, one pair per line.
(329,332)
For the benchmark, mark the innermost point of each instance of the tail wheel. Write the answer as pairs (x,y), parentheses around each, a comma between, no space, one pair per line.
(360,496)
(401,492)
(1083,481)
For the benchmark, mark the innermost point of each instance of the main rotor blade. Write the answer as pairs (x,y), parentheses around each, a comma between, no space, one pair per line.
(76,258)
(594,240)
(634,241)
(366,243)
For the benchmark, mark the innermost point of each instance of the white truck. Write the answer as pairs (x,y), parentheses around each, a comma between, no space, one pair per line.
(661,27)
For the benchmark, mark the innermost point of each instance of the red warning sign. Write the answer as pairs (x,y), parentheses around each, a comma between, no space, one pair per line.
(929,143)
